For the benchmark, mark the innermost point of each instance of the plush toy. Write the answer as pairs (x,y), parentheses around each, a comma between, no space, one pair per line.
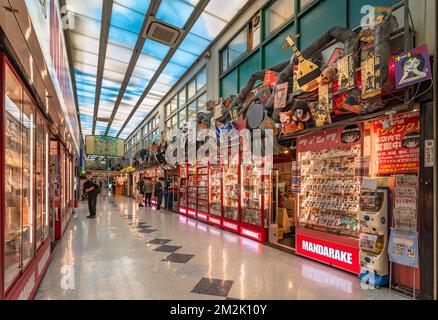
(288,126)
(301,112)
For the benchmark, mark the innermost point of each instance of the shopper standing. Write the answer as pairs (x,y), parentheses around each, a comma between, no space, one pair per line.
(92,190)
(147,191)
(159,192)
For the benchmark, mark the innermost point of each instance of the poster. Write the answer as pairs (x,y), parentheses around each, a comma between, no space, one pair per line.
(403,248)
(371,79)
(346,76)
(264,93)
(412,67)
(270,78)
(398,148)
(281,95)
(218,109)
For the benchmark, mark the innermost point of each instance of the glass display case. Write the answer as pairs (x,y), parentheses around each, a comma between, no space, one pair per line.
(182,186)
(256,190)
(202,189)
(25,178)
(215,191)
(330,191)
(192,188)
(231,188)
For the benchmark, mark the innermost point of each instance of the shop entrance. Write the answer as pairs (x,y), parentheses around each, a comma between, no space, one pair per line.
(282,230)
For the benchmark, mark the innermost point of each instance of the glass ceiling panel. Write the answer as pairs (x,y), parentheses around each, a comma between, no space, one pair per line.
(208,26)
(122,37)
(176,12)
(89,8)
(139,6)
(225,10)
(84,57)
(118,53)
(148,62)
(194,44)
(127,19)
(184,58)
(155,49)
(81,42)
(87,26)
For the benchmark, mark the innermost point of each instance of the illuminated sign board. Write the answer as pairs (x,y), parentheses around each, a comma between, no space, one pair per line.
(104,146)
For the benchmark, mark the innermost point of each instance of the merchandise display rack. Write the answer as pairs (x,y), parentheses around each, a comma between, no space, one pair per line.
(214,195)
(329,203)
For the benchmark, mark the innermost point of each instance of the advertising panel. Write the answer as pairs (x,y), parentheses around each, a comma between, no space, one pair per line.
(104,146)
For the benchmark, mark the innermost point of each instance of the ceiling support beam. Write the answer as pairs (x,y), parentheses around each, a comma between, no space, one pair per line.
(152,11)
(103,44)
(186,29)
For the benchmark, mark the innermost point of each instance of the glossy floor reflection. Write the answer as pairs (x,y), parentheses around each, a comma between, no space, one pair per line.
(130,252)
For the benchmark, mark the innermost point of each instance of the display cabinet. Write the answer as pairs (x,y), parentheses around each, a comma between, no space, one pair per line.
(192,191)
(24,223)
(182,189)
(231,193)
(215,191)
(202,193)
(255,199)
(329,203)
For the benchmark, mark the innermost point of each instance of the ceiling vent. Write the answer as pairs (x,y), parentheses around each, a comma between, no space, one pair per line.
(162,32)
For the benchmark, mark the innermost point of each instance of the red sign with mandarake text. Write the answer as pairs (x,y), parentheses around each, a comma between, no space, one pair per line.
(398,147)
(342,257)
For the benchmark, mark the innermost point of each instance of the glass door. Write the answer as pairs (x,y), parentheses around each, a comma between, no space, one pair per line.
(19,171)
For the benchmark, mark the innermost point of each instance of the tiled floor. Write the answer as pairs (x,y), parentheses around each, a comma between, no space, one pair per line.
(130,252)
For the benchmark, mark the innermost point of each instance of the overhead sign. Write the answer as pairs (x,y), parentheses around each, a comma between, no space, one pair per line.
(412,67)
(342,137)
(104,146)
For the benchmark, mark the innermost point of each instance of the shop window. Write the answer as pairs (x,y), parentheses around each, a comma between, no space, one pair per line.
(168,110)
(192,111)
(173,104)
(224,60)
(201,80)
(182,96)
(202,100)
(238,46)
(255,32)
(182,117)
(191,89)
(174,122)
(279,13)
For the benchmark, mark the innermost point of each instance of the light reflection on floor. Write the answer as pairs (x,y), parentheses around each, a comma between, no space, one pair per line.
(110,259)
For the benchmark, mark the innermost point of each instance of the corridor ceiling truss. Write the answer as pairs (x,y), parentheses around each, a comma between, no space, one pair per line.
(120,73)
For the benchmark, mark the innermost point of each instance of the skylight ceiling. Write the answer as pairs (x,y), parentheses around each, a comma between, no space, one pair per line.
(118,108)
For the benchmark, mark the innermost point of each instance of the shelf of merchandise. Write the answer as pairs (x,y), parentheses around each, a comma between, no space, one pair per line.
(192,189)
(202,193)
(255,201)
(215,195)
(231,194)
(182,190)
(327,228)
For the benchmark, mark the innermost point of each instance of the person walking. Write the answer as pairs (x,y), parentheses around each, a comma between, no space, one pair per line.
(141,195)
(92,189)
(147,191)
(159,192)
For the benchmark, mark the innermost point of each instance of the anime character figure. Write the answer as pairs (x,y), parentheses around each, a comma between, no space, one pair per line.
(288,126)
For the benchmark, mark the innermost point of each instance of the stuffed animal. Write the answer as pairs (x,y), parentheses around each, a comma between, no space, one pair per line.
(288,126)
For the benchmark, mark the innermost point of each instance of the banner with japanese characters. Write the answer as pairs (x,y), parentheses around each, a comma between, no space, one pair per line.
(398,147)
(342,137)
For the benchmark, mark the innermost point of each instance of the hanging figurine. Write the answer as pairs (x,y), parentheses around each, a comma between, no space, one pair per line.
(301,114)
(288,126)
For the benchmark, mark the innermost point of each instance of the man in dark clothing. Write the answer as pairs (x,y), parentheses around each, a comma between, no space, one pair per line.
(159,192)
(92,190)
